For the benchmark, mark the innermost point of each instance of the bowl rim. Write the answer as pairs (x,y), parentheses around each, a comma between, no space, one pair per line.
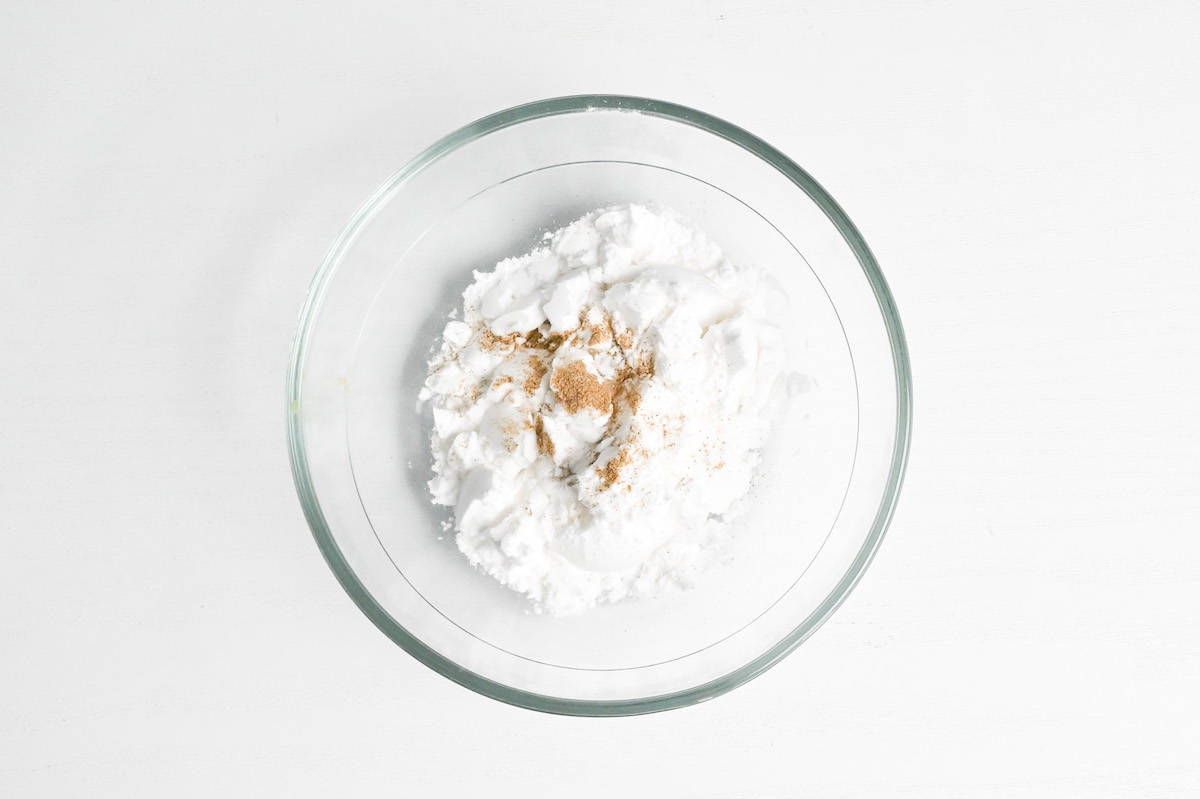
(439,663)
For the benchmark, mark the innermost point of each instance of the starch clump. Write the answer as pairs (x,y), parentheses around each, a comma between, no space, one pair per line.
(600,408)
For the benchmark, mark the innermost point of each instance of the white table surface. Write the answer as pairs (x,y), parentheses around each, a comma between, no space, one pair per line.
(170,176)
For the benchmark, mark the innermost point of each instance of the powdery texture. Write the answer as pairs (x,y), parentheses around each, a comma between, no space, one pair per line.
(599,409)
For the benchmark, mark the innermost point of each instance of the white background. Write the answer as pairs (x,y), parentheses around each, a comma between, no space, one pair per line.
(170,176)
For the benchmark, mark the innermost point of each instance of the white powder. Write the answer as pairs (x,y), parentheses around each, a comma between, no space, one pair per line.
(599,409)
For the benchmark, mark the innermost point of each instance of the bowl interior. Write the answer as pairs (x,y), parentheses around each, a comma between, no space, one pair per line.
(812,519)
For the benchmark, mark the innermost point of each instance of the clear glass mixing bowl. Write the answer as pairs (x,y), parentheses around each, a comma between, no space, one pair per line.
(359,449)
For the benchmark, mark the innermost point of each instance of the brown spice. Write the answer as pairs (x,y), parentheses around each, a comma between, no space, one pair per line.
(578,388)
(627,394)
(535,340)
(629,382)
(490,341)
(611,471)
(545,444)
(533,378)
(575,386)
(600,335)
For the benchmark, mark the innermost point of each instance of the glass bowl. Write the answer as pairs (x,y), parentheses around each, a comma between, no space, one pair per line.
(359,448)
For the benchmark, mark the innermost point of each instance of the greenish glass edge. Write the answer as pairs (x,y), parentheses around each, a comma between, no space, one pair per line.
(548,704)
